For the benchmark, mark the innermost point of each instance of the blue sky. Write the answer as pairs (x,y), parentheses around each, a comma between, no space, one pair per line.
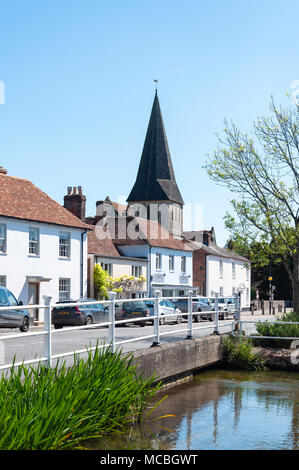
(79,87)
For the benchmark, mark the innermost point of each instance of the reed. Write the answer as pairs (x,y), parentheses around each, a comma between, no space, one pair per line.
(42,408)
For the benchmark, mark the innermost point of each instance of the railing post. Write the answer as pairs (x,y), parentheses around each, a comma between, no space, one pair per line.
(190,316)
(111,329)
(157,295)
(237,312)
(216,329)
(47,328)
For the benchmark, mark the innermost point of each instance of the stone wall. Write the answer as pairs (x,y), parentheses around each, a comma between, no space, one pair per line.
(174,361)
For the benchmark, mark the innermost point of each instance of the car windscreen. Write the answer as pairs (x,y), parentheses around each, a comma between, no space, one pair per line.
(135,304)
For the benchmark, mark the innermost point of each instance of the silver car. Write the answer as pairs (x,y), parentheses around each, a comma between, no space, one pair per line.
(12,318)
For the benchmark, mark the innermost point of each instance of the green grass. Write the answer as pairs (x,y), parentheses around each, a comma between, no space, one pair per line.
(56,408)
(277,329)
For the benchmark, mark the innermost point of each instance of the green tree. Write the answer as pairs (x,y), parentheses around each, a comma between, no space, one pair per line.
(264,173)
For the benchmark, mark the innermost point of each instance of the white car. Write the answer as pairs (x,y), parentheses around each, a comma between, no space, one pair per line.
(167,310)
(226,307)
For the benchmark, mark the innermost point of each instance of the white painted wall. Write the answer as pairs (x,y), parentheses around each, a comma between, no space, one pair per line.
(172,278)
(16,264)
(227,282)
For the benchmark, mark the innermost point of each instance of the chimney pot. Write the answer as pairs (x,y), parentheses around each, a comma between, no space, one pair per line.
(69,190)
(74,190)
(80,190)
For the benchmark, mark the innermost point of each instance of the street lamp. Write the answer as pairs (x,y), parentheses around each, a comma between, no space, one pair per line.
(270,278)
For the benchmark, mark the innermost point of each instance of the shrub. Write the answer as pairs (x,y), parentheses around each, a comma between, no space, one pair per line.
(277,329)
(240,355)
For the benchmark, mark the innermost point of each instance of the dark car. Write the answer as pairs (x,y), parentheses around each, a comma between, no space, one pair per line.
(12,318)
(132,309)
(79,314)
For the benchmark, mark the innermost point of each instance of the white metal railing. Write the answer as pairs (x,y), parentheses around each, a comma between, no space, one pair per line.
(239,332)
(112,322)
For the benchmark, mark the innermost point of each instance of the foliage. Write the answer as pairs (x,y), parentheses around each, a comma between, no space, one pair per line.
(43,408)
(240,355)
(102,282)
(277,329)
(263,264)
(105,283)
(265,176)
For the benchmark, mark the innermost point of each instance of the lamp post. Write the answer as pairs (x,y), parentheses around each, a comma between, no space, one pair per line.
(270,278)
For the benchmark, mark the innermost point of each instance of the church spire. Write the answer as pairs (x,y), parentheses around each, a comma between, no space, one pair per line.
(155,178)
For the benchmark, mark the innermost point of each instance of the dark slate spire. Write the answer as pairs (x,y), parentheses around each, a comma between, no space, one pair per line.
(155,178)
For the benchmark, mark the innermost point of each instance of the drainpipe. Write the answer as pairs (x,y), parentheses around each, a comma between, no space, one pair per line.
(149,269)
(82,263)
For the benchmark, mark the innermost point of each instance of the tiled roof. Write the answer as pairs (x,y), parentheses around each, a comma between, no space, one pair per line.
(217,251)
(21,199)
(149,232)
(98,246)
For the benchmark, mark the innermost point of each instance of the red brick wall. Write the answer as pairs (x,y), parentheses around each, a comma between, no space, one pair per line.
(199,271)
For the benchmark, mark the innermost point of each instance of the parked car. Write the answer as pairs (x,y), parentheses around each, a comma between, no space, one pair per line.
(169,312)
(79,314)
(12,318)
(132,309)
(199,304)
(226,307)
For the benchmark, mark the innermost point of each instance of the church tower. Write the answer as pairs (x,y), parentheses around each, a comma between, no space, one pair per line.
(155,194)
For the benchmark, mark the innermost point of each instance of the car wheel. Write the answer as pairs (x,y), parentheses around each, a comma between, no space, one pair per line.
(25,325)
(58,326)
(162,320)
(196,317)
(178,319)
(89,320)
(142,323)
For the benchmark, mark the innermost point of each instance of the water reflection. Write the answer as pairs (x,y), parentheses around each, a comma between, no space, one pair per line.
(221,410)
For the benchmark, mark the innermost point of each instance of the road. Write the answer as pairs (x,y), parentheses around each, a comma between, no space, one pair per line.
(25,347)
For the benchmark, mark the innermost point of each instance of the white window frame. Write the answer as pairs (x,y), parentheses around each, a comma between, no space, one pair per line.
(233,270)
(183,264)
(65,249)
(247,273)
(158,261)
(3,239)
(64,288)
(171,263)
(221,269)
(220,291)
(107,267)
(34,243)
(136,270)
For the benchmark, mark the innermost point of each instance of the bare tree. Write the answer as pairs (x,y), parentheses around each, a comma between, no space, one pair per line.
(265,174)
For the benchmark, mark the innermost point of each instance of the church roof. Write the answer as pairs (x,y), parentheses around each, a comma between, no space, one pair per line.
(155,178)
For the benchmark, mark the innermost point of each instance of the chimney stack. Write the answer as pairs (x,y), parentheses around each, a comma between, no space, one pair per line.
(75,202)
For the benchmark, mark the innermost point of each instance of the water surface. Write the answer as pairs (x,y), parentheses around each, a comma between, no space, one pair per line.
(220,410)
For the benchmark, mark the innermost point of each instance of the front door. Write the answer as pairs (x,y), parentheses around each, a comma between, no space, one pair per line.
(33,298)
